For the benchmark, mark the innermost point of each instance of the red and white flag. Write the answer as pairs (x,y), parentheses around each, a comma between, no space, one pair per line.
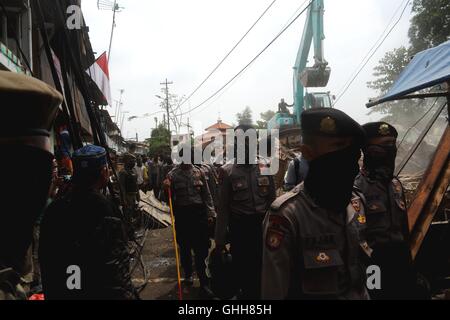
(99,72)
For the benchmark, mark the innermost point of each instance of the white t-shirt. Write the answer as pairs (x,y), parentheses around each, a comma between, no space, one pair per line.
(140,174)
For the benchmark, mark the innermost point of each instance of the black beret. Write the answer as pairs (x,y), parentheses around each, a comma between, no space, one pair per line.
(330,122)
(379,129)
(30,105)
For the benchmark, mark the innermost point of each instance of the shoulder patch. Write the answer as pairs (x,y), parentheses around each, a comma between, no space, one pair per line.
(276,232)
(279,202)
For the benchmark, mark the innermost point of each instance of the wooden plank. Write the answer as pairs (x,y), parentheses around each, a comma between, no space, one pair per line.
(430,194)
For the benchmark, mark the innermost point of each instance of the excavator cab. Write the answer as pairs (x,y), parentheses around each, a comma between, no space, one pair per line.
(318,100)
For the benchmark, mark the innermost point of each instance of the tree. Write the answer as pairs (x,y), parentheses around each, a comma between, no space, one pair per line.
(430,25)
(389,68)
(265,118)
(387,72)
(245,117)
(159,143)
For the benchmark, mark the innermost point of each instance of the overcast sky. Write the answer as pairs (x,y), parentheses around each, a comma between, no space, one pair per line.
(184,40)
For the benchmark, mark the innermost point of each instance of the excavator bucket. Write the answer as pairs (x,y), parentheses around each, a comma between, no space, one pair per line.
(315,77)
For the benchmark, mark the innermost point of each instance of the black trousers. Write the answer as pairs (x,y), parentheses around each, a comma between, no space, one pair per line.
(398,277)
(246,249)
(191,225)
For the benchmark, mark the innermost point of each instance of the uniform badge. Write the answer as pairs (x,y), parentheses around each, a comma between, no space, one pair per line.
(356,205)
(275,233)
(384,130)
(362,219)
(323,258)
(374,207)
(328,125)
(274,239)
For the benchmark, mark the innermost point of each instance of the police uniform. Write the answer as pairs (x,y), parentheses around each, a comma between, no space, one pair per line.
(85,230)
(311,252)
(296,173)
(387,217)
(245,196)
(212,179)
(387,223)
(129,182)
(29,109)
(192,205)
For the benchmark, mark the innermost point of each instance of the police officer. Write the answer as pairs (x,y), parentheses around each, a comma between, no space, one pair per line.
(194,210)
(245,197)
(82,236)
(296,173)
(314,235)
(29,107)
(129,183)
(212,180)
(387,219)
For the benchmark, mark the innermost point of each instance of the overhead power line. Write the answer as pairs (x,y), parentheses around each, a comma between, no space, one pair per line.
(235,80)
(349,83)
(229,53)
(251,62)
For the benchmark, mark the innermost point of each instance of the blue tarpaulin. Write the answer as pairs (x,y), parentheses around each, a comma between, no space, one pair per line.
(427,69)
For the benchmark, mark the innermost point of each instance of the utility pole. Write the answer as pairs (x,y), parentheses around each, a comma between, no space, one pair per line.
(189,128)
(119,105)
(166,89)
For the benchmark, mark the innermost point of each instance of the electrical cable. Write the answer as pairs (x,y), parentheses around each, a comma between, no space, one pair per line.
(228,54)
(416,123)
(371,56)
(234,81)
(250,63)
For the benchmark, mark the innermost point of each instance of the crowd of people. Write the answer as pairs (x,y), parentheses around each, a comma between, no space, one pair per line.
(317,241)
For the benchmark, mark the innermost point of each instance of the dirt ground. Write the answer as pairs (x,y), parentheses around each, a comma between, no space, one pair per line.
(159,258)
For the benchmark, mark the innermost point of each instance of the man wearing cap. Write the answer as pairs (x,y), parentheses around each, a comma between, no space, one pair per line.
(245,197)
(314,235)
(29,109)
(83,251)
(387,219)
